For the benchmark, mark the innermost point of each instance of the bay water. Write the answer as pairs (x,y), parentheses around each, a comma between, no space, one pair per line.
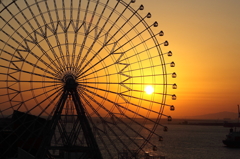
(194,142)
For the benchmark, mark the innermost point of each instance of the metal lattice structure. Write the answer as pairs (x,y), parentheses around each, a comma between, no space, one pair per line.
(72,79)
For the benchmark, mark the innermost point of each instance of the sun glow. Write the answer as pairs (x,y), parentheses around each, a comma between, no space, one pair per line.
(149,89)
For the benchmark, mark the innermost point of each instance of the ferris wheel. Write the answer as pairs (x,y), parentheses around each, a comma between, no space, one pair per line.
(81,79)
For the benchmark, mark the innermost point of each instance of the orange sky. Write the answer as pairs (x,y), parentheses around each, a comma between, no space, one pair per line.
(115,71)
(204,38)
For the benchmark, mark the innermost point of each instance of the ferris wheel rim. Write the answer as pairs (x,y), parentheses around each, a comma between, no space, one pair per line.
(85,87)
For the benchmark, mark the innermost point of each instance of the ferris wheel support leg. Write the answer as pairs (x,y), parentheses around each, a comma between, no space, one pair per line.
(94,151)
(46,143)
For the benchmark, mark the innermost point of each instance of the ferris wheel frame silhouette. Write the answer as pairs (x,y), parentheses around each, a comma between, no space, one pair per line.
(72,79)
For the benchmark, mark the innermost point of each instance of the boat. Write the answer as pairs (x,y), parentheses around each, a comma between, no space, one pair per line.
(233,138)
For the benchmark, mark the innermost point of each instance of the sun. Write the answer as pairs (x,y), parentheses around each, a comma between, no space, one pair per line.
(149,89)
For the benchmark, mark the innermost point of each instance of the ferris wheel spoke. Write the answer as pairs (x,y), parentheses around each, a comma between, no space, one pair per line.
(20,60)
(7,23)
(120,129)
(101,14)
(106,34)
(86,34)
(12,38)
(144,68)
(88,30)
(59,64)
(133,27)
(107,91)
(74,47)
(20,104)
(142,42)
(32,133)
(127,109)
(137,133)
(34,17)
(66,35)
(141,52)
(55,93)
(30,81)
(64,13)
(78,13)
(143,60)
(28,111)
(93,16)
(59,24)
(26,90)
(152,37)
(86,12)
(48,11)
(84,75)
(71,10)
(67,50)
(132,83)
(118,49)
(24,16)
(144,76)
(115,22)
(142,126)
(124,96)
(95,64)
(18,69)
(56,10)
(102,28)
(107,125)
(52,23)
(27,72)
(96,77)
(106,148)
(100,136)
(142,19)
(113,102)
(33,40)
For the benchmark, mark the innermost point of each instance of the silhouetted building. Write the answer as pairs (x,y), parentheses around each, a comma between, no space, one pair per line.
(25,131)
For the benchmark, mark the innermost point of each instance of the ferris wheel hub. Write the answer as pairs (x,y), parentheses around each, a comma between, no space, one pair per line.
(70,82)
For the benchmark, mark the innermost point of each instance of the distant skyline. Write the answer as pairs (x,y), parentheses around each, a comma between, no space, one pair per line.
(213,116)
(204,38)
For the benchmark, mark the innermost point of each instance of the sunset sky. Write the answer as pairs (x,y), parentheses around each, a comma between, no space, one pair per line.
(204,37)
